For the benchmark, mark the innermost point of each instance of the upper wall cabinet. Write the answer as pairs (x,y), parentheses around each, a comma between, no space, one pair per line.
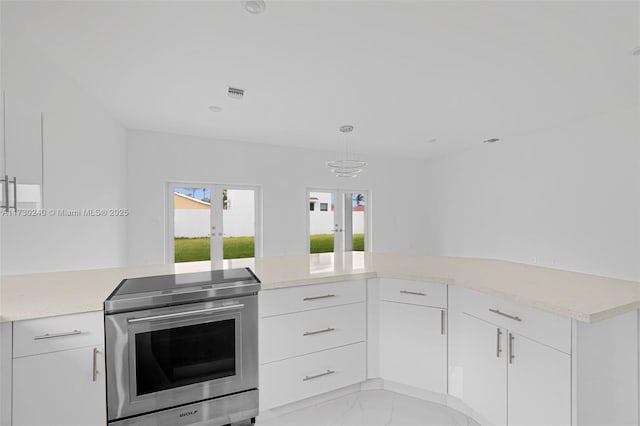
(22,154)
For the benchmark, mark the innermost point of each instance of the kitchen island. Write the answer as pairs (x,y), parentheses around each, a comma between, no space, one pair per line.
(503,342)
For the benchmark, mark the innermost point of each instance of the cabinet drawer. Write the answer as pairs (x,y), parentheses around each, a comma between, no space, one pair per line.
(286,336)
(43,335)
(297,378)
(413,292)
(545,327)
(305,297)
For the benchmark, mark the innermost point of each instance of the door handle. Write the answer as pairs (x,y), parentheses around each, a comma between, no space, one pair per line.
(326,330)
(52,335)
(95,364)
(498,349)
(413,293)
(498,312)
(326,373)
(511,355)
(318,297)
(186,314)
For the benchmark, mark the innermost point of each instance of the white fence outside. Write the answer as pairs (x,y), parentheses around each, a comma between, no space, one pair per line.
(238,220)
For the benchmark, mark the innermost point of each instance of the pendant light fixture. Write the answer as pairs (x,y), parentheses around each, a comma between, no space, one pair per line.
(346,168)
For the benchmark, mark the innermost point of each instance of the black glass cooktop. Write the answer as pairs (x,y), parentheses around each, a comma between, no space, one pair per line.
(162,290)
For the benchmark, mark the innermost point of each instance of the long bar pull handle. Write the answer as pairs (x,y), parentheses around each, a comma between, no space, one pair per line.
(498,349)
(5,205)
(15,194)
(326,373)
(513,317)
(442,322)
(326,330)
(318,297)
(186,314)
(52,335)
(511,355)
(414,293)
(95,364)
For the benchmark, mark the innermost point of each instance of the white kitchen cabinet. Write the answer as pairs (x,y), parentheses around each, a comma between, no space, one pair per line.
(311,340)
(59,371)
(484,368)
(413,345)
(539,384)
(23,148)
(293,379)
(60,388)
(511,379)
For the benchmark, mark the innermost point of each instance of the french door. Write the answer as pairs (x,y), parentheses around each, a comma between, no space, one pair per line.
(212,222)
(338,221)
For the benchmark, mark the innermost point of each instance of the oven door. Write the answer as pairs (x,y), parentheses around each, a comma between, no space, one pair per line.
(164,357)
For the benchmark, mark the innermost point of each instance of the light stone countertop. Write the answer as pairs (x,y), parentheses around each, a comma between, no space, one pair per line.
(583,297)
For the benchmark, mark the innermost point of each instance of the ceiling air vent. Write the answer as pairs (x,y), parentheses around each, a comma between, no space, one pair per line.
(235,93)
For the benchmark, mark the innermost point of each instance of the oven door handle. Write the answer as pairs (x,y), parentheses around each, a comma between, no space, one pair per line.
(186,314)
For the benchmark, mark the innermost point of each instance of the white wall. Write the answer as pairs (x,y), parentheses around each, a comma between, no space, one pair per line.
(567,197)
(284,175)
(85,164)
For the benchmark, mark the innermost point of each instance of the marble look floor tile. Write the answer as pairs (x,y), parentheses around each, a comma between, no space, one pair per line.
(373,408)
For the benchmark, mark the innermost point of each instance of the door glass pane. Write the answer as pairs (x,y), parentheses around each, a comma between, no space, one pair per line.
(358,225)
(238,223)
(192,224)
(182,356)
(322,223)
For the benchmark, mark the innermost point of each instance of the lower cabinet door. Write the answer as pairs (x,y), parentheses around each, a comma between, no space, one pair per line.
(483,362)
(60,388)
(539,384)
(413,345)
(293,379)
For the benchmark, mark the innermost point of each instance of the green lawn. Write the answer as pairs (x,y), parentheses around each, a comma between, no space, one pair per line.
(194,249)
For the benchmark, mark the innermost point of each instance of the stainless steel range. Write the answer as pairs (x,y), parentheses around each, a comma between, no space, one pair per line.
(183,349)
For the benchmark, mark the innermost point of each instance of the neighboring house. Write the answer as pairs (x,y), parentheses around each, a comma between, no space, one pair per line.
(184,202)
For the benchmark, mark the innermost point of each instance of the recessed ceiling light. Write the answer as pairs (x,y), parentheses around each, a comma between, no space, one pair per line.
(636,51)
(492,140)
(254,6)
(432,140)
(215,108)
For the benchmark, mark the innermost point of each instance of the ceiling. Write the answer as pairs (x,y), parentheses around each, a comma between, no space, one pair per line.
(402,72)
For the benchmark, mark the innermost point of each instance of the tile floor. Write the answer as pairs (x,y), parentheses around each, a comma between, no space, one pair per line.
(372,408)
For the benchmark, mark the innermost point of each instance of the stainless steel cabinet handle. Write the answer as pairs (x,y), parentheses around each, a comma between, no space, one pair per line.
(498,349)
(513,317)
(511,356)
(318,297)
(5,206)
(186,314)
(15,194)
(442,322)
(415,293)
(95,364)
(326,330)
(326,373)
(52,335)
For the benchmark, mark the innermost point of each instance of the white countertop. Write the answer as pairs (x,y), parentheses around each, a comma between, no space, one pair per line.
(582,297)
